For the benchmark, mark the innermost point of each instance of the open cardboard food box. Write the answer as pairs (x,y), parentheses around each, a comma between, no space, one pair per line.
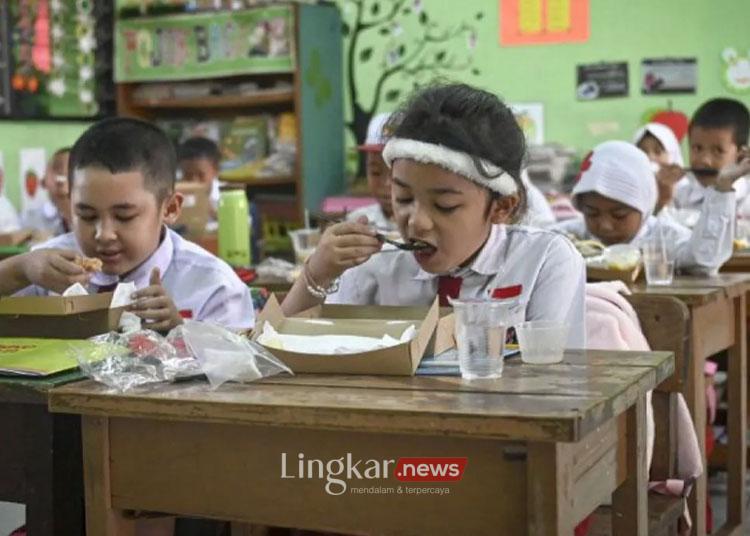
(59,317)
(434,335)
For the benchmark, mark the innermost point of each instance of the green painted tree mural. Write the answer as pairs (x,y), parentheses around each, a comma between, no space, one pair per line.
(393,46)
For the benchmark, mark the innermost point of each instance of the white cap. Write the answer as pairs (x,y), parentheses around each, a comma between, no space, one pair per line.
(666,137)
(620,171)
(376,137)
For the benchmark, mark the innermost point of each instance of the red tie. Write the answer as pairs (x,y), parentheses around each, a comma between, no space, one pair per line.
(448,286)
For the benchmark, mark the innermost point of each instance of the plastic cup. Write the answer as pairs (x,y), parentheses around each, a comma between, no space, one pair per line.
(659,268)
(304,242)
(480,328)
(542,341)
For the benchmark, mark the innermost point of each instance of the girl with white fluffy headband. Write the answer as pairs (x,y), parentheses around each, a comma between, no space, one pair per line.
(455,154)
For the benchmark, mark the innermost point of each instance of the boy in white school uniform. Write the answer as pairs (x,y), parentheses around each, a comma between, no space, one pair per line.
(718,136)
(198,160)
(455,157)
(52,217)
(617,194)
(122,192)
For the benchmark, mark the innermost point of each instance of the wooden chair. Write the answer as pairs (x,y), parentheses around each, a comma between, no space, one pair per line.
(664,321)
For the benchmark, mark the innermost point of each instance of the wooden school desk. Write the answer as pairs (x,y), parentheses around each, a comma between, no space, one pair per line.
(544,446)
(739,262)
(718,317)
(40,457)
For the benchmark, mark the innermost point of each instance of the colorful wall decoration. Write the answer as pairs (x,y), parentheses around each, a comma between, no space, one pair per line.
(530,22)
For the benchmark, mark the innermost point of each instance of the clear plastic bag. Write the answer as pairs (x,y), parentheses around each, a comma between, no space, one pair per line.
(128,360)
(224,355)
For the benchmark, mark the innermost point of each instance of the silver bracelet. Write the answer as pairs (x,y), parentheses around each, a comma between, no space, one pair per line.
(316,290)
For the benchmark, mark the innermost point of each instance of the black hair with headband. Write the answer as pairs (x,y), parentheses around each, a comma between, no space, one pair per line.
(469,120)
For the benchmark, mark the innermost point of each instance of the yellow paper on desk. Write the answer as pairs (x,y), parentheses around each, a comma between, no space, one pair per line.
(36,357)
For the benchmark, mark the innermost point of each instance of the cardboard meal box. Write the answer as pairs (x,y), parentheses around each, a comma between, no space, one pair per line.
(600,273)
(58,317)
(196,207)
(16,238)
(399,360)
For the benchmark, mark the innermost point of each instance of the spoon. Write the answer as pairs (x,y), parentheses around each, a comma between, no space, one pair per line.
(412,245)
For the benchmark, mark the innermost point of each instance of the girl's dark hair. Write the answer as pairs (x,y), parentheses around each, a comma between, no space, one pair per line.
(469,120)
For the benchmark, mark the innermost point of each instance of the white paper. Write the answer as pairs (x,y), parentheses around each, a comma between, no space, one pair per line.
(75,289)
(330,344)
(121,296)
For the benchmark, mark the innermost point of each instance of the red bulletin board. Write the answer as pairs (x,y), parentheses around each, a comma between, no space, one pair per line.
(531,22)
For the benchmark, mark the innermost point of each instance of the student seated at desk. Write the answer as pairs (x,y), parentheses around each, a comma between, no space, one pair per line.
(663,150)
(122,193)
(455,158)
(718,136)
(52,217)
(617,194)
(9,220)
(198,159)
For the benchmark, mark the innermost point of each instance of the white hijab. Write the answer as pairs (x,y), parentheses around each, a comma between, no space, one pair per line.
(620,171)
(667,139)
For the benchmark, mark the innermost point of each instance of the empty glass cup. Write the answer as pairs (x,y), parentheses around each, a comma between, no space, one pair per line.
(542,341)
(659,267)
(304,242)
(480,328)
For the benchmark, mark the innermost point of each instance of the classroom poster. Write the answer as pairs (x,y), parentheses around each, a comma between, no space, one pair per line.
(736,70)
(602,80)
(531,22)
(668,75)
(32,164)
(530,117)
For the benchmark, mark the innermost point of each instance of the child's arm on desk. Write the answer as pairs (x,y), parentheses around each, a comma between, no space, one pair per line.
(53,269)
(342,246)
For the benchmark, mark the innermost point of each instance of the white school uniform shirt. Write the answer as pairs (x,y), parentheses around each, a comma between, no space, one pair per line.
(9,220)
(202,286)
(539,212)
(700,251)
(545,265)
(689,193)
(45,218)
(375,216)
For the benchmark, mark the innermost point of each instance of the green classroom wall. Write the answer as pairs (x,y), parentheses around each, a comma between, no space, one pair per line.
(17,135)
(619,31)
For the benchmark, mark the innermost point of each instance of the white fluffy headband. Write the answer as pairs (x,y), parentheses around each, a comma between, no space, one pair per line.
(455,161)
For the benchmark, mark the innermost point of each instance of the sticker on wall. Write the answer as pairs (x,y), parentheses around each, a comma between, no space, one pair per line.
(736,71)
(530,117)
(602,80)
(532,22)
(32,166)
(668,75)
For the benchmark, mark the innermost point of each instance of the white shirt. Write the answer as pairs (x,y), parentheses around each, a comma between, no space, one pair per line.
(549,270)
(701,251)
(202,287)
(539,212)
(9,221)
(44,218)
(689,193)
(375,216)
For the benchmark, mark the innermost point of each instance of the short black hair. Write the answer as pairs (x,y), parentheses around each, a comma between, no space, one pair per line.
(469,120)
(724,113)
(122,145)
(197,148)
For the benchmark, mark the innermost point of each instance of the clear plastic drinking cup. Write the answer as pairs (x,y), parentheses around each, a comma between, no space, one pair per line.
(542,341)
(304,242)
(658,266)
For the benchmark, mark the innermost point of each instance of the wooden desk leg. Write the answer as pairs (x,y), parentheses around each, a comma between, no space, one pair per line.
(630,500)
(737,418)
(101,519)
(695,395)
(549,482)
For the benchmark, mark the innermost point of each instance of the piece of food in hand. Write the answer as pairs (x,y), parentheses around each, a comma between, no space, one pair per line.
(89,264)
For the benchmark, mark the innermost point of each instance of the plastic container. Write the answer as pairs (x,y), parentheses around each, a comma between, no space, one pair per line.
(234,229)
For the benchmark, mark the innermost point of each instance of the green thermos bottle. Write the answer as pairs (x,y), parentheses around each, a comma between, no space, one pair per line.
(234,229)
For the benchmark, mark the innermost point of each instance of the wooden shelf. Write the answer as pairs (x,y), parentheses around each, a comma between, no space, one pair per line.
(219,101)
(265,181)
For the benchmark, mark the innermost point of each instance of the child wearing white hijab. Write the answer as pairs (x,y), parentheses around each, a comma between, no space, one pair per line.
(663,149)
(617,194)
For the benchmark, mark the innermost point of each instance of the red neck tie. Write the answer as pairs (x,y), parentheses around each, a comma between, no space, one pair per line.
(448,286)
